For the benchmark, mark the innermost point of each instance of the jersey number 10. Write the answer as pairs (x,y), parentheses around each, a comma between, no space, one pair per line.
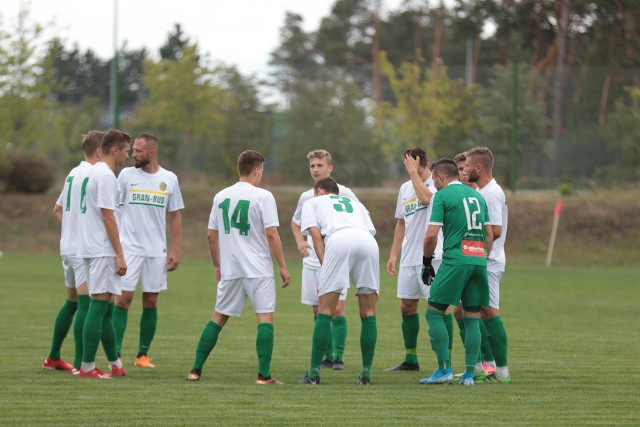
(239,218)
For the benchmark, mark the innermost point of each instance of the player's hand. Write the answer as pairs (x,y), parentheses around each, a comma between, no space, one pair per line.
(411,164)
(121,266)
(216,270)
(428,273)
(391,266)
(172,261)
(303,248)
(286,277)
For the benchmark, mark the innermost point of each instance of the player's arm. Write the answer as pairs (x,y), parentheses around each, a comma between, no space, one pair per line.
(111,227)
(422,192)
(496,231)
(303,246)
(57,212)
(488,237)
(175,228)
(398,236)
(430,240)
(318,242)
(214,251)
(275,246)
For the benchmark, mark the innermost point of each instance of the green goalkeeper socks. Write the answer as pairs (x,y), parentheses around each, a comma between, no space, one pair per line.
(339,335)
(61,327)
(264,348)
(485,346)
(448,322)
(120,316)
(368,339)
(410,330)
(148,324)
(321,333)
(78,326)
(461,329)
(471,342)
(439,336)
(206,344)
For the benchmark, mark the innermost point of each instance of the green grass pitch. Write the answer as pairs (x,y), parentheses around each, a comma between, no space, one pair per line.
(573,353)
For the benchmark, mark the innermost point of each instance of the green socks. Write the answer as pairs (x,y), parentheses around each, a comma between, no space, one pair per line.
(320,341)
(471,342)
(120,324)
(410,330)
(497,339)
(92,330)
(448,322)
(439,336)
(61,327)
(339,335)
(264,348)
(108,337)
(368,339)
(78,326)
(461,329)
(485,346)
(207,342)
(148,323)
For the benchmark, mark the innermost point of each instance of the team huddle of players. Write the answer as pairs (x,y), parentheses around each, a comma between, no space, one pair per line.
(450,231)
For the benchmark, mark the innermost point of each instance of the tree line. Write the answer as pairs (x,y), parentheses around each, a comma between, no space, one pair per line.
(365,85)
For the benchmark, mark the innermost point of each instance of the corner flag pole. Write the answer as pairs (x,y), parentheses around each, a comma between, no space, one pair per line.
(554,229)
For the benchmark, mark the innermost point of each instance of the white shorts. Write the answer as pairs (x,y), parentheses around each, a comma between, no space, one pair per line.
(151,272)
(74,272)
(102,275)
(311,285)
(232,295)
(494,287)
(410,284)
(350,257)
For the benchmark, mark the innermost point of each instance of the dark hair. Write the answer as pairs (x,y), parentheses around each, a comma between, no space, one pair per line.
(114,138)
(328,185)
(91,141)
(418,152)
(248,160)
(445,166)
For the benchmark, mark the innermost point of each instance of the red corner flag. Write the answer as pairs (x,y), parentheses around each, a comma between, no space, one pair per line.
(559,207)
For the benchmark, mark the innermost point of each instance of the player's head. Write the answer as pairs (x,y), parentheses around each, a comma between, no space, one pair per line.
(326,186)
(145,150)
(443,172)
(320,165)
(116,144)
(251,163)
(460,160)
(479,162)
(92,144)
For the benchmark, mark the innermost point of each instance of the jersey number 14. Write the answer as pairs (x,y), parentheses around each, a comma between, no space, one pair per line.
(239,218)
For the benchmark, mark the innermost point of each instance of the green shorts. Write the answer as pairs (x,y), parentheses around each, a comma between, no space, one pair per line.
(455,283)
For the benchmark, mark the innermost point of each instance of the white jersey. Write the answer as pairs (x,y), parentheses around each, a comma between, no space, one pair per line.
(69,200)
(312,260)
(498,215)
(416,218)
(101,193)
(332,213)
(146,197)
(241,214)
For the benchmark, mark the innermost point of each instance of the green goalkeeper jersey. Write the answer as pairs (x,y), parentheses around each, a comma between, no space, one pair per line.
(462,213)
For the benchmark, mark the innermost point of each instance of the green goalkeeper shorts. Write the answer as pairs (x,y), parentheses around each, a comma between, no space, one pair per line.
(455,283)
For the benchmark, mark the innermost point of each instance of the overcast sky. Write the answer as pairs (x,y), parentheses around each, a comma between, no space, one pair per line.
(236,32)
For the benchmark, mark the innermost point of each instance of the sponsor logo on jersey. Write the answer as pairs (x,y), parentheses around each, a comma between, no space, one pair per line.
(473,248)
(163,186)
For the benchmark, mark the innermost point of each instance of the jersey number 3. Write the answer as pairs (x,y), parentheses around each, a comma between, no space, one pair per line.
(239,218)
